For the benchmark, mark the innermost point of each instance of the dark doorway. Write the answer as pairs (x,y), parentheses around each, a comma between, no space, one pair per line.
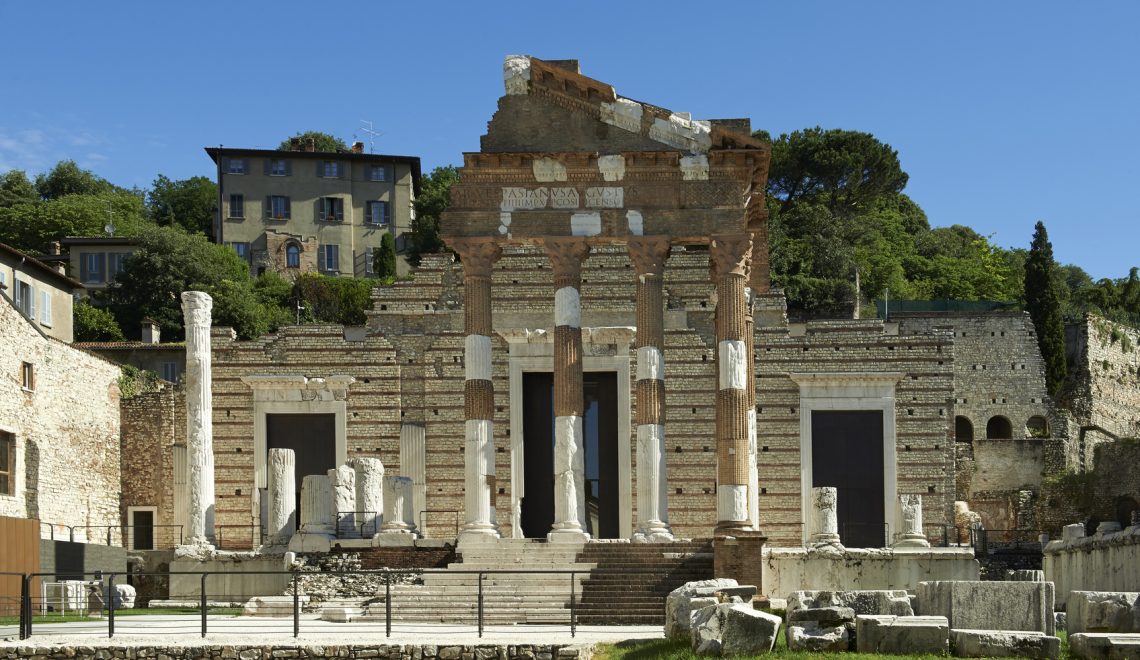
(599,425)
(312,439)
(142,530)
(847,454)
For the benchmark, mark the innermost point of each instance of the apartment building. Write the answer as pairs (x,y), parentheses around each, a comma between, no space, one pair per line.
(308,211)
(41,293)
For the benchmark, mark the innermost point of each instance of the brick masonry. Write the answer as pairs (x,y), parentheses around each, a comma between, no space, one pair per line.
(66,427)
(152,424)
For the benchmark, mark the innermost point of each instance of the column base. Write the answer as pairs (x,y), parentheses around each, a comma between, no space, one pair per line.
(912,541)
(569,535)
(394,539)
(201,550)
(478,533)
(733,528)
(310,542)
(654,532)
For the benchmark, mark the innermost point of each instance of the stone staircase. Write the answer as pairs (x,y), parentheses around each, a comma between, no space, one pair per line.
(619,583)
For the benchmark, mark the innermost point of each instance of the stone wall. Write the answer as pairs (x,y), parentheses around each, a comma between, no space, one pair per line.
(1103,387)
(1109,491)
(152,424)
(66,428)
(1108,562)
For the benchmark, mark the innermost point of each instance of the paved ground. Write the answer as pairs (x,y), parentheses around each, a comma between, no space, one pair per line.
(185,630)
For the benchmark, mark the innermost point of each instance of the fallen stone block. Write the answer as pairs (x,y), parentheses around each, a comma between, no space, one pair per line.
(123,597)
(1103,611)
(339,614)
(1004,644)
(1105,646)
(970,605)
(743,592)
(271,605)
(872,601)
(729,629)
(825,616)
(813,636)
(904,635)
(679,609)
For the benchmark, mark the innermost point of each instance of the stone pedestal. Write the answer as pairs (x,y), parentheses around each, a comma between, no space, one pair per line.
(399,527)
(910,513)
(343,482)
(316,531)
(281,519)
(824,522)
(369,495)
(196,310)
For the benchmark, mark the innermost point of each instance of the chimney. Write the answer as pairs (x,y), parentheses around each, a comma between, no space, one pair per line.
(312,146)
(150,332)
(53,248)
(357,147)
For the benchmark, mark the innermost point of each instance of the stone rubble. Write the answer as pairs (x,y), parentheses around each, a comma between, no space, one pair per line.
(1004,644)
(729,629)
(821,629)
(683,600)
(1105,646)
(1103,612)
(905,635)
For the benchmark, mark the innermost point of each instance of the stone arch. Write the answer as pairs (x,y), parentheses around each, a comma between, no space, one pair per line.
(963,429)
(1037,426)
(293,251)
(999,428)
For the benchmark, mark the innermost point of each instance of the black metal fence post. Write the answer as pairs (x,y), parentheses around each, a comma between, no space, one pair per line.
(25,607)
(480,605)
(111,605)
(296,607)
(573,607)
(387,603)
(204,604)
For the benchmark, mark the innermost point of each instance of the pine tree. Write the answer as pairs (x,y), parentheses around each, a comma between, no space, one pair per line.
(1043,302)
(384,259)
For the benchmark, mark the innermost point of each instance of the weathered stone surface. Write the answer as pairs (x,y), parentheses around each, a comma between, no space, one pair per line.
(990,605)
(1103,611)
(1025,576)
(902,634)
(1004,644)
(339,614)
(678,607)
(743,592)
(812,636)
(730,629)
(369,494)
(123,597)
(1105,646)
(895,601)
(271,605)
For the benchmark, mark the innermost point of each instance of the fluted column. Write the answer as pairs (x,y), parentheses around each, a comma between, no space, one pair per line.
(343,482)
(398,506)
(316,505)
(731,254)
(196,310)
(282,505)
(566,255)
(478,256)
(413,464)
(369,494)
(648,255)
(824,519)
(753,469)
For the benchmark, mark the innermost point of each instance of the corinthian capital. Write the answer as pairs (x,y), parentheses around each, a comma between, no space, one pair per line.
(731,254)
(566,255)
(648,254)
(477,254)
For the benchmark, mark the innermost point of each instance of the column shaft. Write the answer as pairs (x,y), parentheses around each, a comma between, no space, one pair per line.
(478,256)
(648,255)
(282,493)
(196,310)
(731,254)
(566,255)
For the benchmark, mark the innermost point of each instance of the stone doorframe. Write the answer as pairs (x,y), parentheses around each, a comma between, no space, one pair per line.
(605,349)
(848,391)
(296,395)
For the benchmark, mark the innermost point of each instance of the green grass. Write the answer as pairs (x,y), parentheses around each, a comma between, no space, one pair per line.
(39,619)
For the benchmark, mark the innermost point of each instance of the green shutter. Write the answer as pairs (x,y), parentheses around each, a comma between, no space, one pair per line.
(339,203)
(288,208)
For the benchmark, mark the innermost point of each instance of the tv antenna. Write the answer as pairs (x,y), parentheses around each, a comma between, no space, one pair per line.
(372,135)
(110,226)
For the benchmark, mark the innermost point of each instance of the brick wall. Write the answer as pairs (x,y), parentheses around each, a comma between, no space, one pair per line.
(66,427)
(152,424)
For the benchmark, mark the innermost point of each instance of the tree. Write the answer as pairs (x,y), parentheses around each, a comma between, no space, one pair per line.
(316,139)
(15,188)
(435,195)
(384,257)
(1043,303)
(187,203)
(95,324)
(169,261)
(31,227)
(67,178)
(341,300)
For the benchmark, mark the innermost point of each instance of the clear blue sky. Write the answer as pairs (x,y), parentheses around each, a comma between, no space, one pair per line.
(1003,113)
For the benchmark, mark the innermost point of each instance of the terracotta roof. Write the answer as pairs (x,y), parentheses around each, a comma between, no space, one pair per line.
(41,267)
(124,345)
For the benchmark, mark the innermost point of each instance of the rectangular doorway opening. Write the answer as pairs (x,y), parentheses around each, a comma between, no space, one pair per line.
(599,426)
(312,437)
(847,454)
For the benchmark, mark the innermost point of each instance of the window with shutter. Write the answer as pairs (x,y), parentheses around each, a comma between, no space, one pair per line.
(45,308)
(7,463)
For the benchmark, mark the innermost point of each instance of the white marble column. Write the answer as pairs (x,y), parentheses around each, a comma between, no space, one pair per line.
(196,308)
(369,494)
(343,482)
(316,531)
(910,515)
(281,521)
(824,519)
(413,464)
(398,528)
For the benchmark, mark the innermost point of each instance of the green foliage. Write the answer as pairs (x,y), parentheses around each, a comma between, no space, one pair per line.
(384,259)
(341,300)
(31,227)
(187,203)
(170,261)
(15,188)
(134,381)
(67,178)
(435,195)
(95,324)
(320,141)
(1042,300)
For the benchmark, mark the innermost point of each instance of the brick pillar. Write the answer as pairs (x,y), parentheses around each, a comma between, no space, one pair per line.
(731,254)
(478,256)
(648,255)
(566,255)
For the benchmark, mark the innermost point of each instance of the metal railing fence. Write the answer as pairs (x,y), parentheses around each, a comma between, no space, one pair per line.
(136,537)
